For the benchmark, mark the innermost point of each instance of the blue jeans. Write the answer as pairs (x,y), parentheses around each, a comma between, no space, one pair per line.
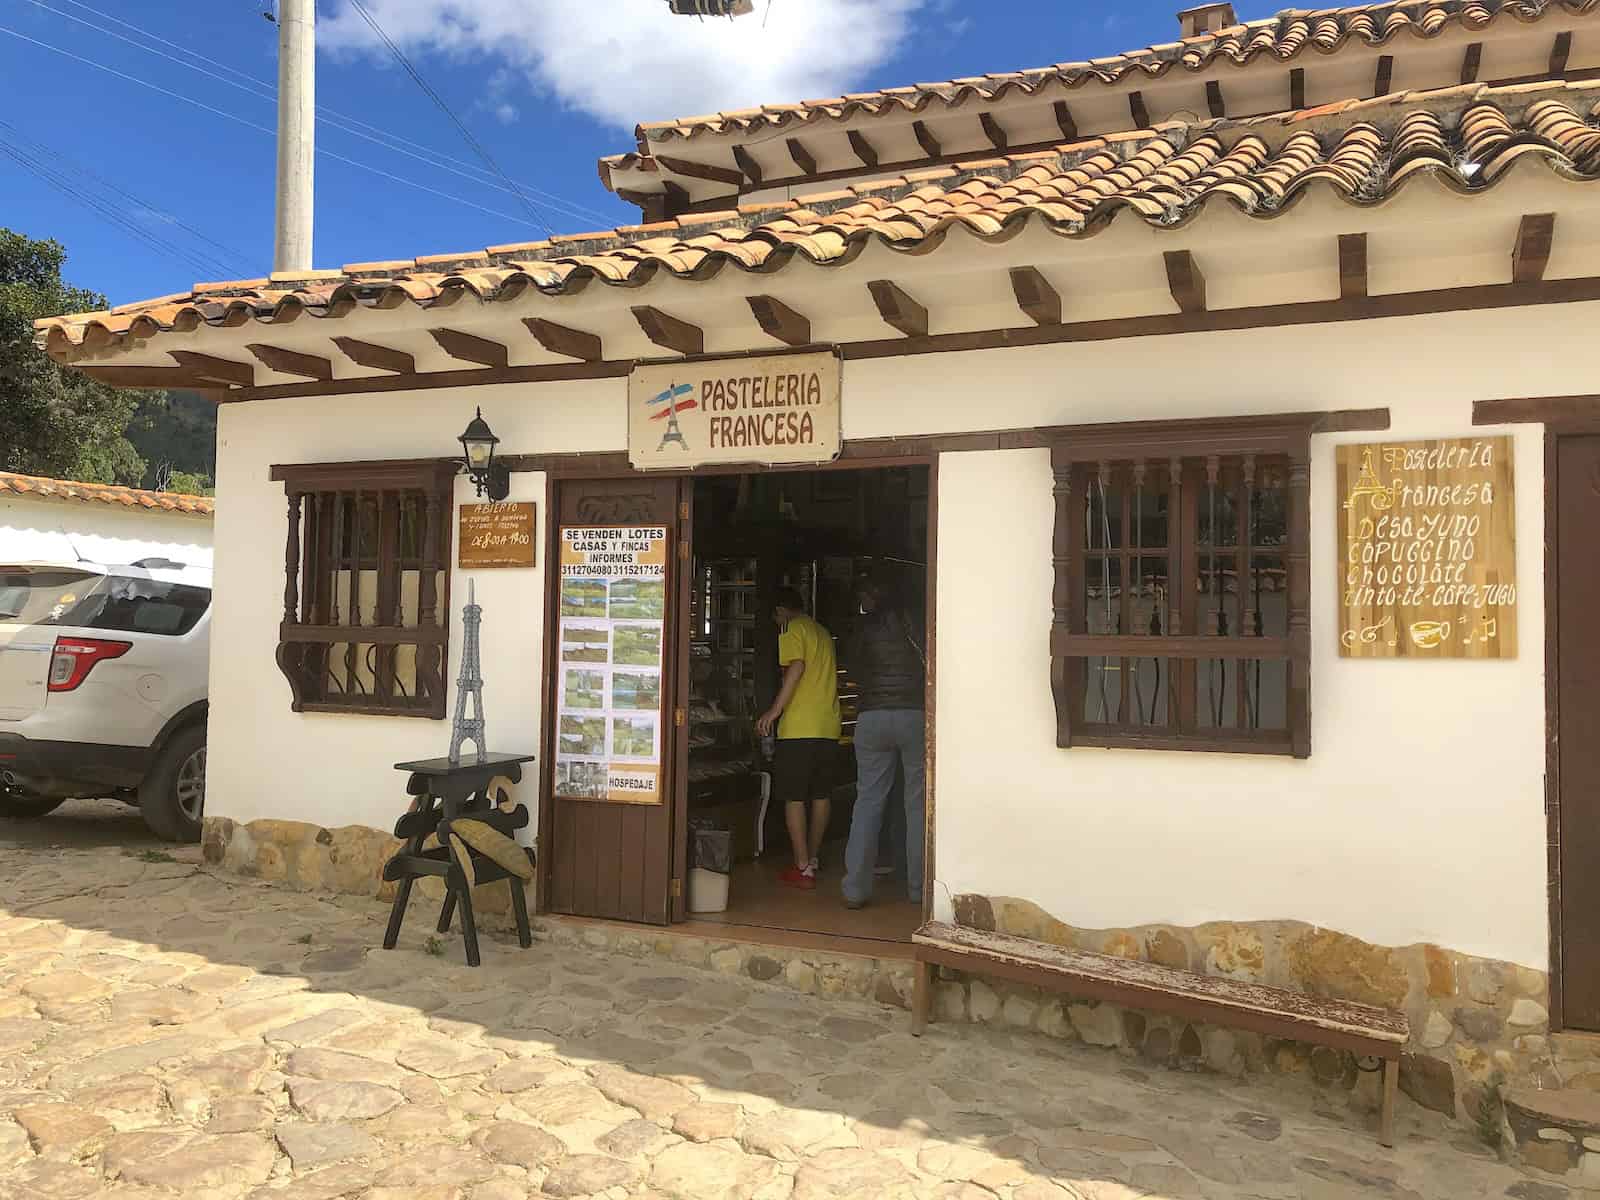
(886,738)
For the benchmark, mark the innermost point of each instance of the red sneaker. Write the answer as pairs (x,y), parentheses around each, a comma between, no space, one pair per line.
(796,878)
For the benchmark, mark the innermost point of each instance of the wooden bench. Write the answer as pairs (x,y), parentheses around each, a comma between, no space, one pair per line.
(1358,1028)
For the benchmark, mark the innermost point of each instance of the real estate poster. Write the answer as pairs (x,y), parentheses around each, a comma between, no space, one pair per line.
(613,606)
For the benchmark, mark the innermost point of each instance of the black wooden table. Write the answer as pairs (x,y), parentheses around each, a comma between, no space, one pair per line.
(445,793)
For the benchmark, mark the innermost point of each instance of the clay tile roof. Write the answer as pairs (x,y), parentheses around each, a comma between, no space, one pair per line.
(38,487)
(1464,138)
(1282,37)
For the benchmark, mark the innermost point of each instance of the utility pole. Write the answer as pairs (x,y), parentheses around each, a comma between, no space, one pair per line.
(297,108)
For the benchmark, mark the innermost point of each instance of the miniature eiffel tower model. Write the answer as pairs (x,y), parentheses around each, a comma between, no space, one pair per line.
(469,683)
(673,433)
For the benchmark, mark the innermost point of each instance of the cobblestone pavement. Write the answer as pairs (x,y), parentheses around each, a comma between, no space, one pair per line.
(167,1032)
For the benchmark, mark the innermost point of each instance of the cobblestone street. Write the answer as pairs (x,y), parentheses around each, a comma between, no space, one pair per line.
(166,1031)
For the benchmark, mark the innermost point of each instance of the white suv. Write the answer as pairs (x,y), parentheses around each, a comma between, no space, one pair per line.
(103,688)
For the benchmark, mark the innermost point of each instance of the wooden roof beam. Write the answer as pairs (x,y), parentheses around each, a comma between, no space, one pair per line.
(899,310)
(565,341)
(1064,121)
(803,158)
(747,164)
(926,140)
(780,321)
(993,131)
(1560,53)
(669,332)
(1038,301)
(215,370)
(864,150)
(1470,62)
(469,347)
(1138,110)
(292,362)
(1531,255)
(1385,75)
(1352,266)
(1186,280)
(146,377)
(699,170)
(379,358)
(1297,88)
(1214,100)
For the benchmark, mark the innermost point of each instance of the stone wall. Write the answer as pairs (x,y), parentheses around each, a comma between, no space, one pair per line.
(1477,1025)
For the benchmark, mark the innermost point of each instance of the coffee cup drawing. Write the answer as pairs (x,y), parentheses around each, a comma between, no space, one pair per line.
(1430,634)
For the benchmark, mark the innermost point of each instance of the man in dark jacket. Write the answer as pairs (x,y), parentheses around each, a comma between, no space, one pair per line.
(890,668)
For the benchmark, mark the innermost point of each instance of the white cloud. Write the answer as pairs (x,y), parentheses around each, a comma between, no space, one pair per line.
(625,61)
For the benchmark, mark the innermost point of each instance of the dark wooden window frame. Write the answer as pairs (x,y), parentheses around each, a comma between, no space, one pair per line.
(1285,437)
(324,499)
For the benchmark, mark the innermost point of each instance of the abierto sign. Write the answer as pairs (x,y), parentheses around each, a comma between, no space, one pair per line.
(782,408)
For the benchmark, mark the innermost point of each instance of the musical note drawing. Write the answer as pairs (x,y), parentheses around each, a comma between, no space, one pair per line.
(1488,628)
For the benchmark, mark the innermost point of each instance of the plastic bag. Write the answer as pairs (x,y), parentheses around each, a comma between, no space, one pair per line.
(713,849)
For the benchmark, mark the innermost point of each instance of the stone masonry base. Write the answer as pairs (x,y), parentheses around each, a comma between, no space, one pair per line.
(1478,1026)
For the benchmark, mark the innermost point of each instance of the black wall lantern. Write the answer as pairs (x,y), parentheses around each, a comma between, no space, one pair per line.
(478,441)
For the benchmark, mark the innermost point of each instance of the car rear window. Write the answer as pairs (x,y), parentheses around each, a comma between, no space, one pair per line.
(123,603)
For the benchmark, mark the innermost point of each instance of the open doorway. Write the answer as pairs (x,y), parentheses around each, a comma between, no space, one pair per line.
(819,533)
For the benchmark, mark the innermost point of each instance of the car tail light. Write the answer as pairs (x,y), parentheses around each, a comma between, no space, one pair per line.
(74,658)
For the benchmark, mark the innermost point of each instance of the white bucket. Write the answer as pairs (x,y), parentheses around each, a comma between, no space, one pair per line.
(708,891)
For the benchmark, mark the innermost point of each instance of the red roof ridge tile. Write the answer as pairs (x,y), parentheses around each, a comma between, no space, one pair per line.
(44,487)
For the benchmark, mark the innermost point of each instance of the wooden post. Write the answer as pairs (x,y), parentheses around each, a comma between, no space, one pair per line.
(1391,1082)
(291,564)
(1298,561)
(1064,674)
(921,997)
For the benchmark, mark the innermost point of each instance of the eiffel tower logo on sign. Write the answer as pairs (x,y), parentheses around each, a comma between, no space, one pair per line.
(669,404)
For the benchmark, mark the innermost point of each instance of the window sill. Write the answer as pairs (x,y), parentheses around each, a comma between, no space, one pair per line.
(1213,743)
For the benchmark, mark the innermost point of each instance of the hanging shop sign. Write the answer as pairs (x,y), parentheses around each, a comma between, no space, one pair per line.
(495,535)
(610,702)
(778,409)
(1427,549)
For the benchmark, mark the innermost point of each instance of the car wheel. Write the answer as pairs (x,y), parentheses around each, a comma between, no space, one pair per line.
(173,796)
(17,806)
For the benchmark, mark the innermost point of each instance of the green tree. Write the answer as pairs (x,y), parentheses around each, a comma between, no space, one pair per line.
(55,421)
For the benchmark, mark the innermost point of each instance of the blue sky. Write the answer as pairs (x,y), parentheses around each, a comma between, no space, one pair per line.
(546,85)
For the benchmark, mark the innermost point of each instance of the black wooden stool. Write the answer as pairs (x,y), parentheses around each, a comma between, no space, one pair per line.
(447,793)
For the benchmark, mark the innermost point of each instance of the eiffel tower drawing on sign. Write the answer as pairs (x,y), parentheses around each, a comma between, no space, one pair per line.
(672,398)
(469,683)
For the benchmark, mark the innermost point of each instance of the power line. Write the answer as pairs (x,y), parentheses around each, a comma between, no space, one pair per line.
(193,103)
(263,90)
(466,133)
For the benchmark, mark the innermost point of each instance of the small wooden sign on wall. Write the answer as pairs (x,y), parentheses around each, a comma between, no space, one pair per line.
(496,535)
(1427,549)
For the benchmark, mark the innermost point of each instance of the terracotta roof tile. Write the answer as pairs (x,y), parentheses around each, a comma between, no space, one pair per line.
(38,487)
(1464,138)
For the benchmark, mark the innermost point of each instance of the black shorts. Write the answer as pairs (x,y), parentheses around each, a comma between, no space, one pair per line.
(804,769)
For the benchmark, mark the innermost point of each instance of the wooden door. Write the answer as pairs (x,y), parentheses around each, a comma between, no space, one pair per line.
(607,859)
(1576,515)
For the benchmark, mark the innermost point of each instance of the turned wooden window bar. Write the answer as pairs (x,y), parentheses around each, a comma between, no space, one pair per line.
(366,599)
(1181,606)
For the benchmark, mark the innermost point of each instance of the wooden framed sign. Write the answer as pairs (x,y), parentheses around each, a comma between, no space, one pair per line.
(1427,549)
(496,535)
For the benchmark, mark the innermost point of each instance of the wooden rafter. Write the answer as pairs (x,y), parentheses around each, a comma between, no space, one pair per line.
(1531,256)
(1038,300)
(1385,75)
(1064,121)
(863,149)
(1214,100)
(993,131)
(1138,110)
(379,358)
(926,140)
(699,170)
(216,370)
(899,310)
(802,157)
(292,362)
(147,377)
(747,164)
(1297,88)
(565,341)
(1186,280)
(1470,62)
(469,347)
(780,321)
(669,332)
(1352,266)
(1560,52)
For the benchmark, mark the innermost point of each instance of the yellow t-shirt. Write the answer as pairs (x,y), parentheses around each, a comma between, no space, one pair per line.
(813,710)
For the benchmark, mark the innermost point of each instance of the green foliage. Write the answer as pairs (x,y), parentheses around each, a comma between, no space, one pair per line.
(54,421)
(176,434)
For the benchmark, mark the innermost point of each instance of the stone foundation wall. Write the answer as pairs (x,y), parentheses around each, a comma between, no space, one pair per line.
(1477,1025)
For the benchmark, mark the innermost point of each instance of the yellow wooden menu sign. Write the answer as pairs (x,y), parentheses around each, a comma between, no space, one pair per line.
(1427,549)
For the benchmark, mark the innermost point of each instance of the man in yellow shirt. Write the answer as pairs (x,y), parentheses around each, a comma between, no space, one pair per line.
(806,714)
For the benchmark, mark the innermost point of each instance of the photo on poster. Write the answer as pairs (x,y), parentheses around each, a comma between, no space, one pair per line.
(638,599)
(583,597)
(583,689)
(583,735)
(633,737)
(583,780)
(636,690)
(585,644)
(636,645)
